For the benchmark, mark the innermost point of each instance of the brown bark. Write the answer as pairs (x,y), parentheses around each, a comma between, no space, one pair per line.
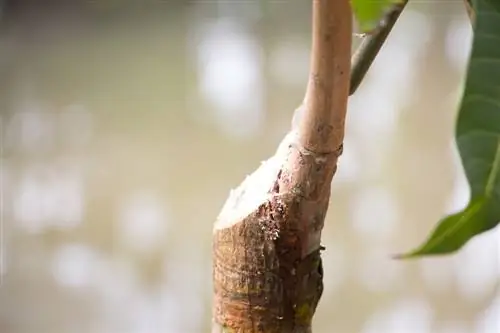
(267,269)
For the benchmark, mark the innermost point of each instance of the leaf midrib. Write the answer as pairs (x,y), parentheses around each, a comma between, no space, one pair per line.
(492,177)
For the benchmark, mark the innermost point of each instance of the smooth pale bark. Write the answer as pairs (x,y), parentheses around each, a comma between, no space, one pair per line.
(267,269)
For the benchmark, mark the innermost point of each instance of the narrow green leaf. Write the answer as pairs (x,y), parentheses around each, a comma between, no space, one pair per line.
(369,13)
(478,140)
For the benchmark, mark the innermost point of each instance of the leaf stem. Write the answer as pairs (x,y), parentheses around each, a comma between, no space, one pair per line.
(371,45)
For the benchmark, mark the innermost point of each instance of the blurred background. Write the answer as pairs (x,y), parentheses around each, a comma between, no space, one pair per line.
(124,124)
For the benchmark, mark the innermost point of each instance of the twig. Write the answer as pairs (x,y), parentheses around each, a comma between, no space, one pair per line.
(322,125)
(371,45)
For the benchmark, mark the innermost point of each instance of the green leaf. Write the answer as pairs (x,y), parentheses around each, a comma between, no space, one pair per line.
(369,13)
(478,140)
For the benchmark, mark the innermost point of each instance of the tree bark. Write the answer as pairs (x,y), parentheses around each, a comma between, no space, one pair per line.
(267,269)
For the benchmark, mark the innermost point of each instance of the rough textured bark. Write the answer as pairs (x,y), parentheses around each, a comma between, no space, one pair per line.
(267,269)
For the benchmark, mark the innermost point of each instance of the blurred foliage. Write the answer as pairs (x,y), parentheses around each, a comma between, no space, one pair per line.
(478,139)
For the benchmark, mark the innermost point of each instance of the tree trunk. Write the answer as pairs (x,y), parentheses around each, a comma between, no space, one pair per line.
(267,269)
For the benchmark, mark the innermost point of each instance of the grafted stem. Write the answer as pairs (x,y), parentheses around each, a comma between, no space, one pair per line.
(267,270)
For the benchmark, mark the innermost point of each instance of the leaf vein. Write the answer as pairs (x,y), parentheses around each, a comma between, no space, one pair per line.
(485,60)
(481,98)
(492,177)
(487,35)
(454,228)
